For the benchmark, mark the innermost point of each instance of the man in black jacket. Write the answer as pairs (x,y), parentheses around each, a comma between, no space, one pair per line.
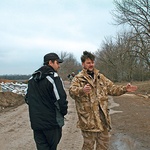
(47,103)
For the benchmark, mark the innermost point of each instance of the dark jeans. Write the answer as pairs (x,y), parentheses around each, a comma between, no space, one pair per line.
(47,139)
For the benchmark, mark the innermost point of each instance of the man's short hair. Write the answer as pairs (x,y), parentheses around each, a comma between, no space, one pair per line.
(87,55)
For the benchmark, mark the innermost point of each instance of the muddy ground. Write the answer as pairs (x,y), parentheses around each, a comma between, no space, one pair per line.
(130,125)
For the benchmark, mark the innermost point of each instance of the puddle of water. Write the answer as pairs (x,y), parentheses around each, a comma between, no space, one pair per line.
(112,104)
(114,111)
(124,142)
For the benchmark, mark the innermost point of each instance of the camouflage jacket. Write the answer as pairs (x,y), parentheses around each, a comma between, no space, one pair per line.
(92,108)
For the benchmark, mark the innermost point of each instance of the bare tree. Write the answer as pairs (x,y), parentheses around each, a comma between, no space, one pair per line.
(118,60)
(136,14)
(106,59)
(69,65)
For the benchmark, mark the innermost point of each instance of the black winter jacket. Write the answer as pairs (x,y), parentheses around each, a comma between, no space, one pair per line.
(46,99)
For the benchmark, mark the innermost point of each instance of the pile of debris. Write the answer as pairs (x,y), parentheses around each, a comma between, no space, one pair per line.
(18,88)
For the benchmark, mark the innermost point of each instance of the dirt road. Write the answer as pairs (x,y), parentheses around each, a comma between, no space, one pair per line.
(130,126)
(16,134)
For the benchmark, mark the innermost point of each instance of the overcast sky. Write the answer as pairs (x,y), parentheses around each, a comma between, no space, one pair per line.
(31,28)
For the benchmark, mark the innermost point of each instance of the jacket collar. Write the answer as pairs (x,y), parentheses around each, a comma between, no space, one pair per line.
(85,76)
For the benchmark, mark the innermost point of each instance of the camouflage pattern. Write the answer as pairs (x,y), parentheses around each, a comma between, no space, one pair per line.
(92,108)
(101,139)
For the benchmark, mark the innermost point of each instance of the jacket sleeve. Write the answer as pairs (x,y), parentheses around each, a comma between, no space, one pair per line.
(62,101)
(114,90)
(26,98)
(76,90)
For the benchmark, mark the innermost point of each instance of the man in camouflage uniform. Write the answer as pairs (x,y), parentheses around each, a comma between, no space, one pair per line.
(90,89)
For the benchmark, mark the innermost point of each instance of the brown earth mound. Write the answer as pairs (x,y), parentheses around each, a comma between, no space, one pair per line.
(10,100)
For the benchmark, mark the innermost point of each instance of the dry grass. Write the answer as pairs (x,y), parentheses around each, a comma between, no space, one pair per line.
(143,86)
(6,80)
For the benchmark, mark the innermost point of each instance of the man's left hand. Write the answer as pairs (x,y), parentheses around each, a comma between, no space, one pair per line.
(131,88)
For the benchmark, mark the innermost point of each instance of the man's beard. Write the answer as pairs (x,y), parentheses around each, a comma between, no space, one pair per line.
(90,70)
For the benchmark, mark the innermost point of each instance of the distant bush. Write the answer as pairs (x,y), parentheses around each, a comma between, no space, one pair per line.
(15,77)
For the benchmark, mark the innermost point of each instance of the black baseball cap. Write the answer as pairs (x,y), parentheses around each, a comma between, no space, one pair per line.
(52,56)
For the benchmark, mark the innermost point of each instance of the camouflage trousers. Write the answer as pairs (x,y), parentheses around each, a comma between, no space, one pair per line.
(98,139)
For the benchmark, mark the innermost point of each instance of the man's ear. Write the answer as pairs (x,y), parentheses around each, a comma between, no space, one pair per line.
(50,62)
